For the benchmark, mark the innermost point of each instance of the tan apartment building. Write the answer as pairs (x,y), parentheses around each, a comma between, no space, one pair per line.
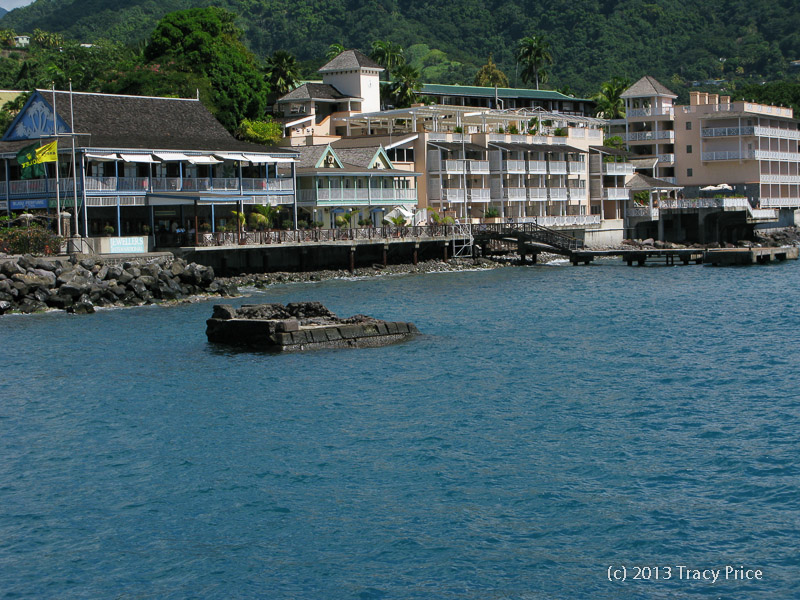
(736,163)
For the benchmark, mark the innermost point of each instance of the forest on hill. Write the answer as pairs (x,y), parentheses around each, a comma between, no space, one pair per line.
(727,43)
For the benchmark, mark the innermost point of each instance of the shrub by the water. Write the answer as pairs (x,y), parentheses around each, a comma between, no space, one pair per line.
(29,240)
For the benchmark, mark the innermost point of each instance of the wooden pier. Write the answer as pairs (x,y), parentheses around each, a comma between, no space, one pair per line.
(686,256)
(748,256)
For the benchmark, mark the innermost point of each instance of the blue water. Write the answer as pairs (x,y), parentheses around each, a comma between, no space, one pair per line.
(553,421)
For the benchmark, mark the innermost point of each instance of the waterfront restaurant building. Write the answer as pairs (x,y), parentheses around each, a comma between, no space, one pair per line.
(155,171)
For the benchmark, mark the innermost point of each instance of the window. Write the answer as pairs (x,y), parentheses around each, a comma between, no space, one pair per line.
(688,172)
(689,149)
(688,125)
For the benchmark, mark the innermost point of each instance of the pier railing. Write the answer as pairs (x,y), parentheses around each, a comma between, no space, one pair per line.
(288,236)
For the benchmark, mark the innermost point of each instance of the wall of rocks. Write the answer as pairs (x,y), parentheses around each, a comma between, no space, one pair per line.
(30,284)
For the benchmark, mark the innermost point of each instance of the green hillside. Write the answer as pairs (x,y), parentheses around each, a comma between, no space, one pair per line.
(677,41)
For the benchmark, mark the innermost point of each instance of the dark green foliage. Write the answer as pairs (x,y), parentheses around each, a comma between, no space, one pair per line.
(29,240)
(591,41)
(205,41)
(780,93)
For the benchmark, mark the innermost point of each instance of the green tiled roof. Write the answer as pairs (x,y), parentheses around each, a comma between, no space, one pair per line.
(488,92)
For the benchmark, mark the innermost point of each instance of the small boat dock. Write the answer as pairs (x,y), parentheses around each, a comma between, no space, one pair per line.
(686,256)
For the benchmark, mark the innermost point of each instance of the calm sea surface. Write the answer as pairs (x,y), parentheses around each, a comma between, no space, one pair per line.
(551,423)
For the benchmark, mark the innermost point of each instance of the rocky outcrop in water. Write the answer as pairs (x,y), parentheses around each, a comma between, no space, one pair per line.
(300,326)
(30,284)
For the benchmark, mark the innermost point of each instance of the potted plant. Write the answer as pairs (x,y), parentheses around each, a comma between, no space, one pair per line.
(491,215)
(108,230)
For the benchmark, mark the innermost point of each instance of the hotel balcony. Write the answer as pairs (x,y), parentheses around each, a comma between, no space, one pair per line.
(666,158)
(775,132)
(558,193)
(537,167)
(577,167)
(636,113)
(791,202)
(512,194)
(358,196)
(478,167)
(617,169)
(558,167)
(449,167)
(780,178)
(729,155)
(513,166)
(645,136)
(453,195)
(616,194)
(537,194)
(479,194)
(772,155)
(144,185)
(709,132)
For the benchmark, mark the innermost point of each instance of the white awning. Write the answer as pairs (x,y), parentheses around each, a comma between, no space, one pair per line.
(101,156)
(231,156)
(138,158)
(258,158)
(203,160)
(298,121)
(171,156)
(281,159)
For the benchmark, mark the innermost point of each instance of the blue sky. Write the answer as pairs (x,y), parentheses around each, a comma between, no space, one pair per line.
(11,4)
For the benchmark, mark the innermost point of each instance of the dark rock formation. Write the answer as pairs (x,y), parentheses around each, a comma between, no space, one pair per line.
(300,326)
(29,284)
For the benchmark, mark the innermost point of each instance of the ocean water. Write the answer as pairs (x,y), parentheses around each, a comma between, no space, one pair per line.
(553,425)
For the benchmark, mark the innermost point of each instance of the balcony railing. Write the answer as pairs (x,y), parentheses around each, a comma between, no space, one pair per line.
(726,131)
(166,184)
(577,167)
(790,202)
(362,196)
(537,194)
(780,178)
(145,185)
(558,193)
(772,155)
(514,166)
(666,158)
(639,136)
(558,167)
(617,168)
(649,112)
(451,195)
(643,211)
(537,167)
(478,167)
(616,193)
(730,155)
(514,194)
(562,220)
(775,132)
(479,194)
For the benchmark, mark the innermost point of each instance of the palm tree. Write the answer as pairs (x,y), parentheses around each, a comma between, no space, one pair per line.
(533,54)
(283,73)
(609,103)
(270,213)
(388,55)
(334,50)
(404,87)
(490,76)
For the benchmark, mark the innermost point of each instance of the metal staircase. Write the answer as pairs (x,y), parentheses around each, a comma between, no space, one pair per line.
(463,240)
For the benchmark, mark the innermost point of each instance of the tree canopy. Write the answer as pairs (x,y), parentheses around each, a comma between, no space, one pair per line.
(490,76)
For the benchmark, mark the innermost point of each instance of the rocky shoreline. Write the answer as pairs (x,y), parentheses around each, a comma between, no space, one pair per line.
(31,284)
(263,280)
